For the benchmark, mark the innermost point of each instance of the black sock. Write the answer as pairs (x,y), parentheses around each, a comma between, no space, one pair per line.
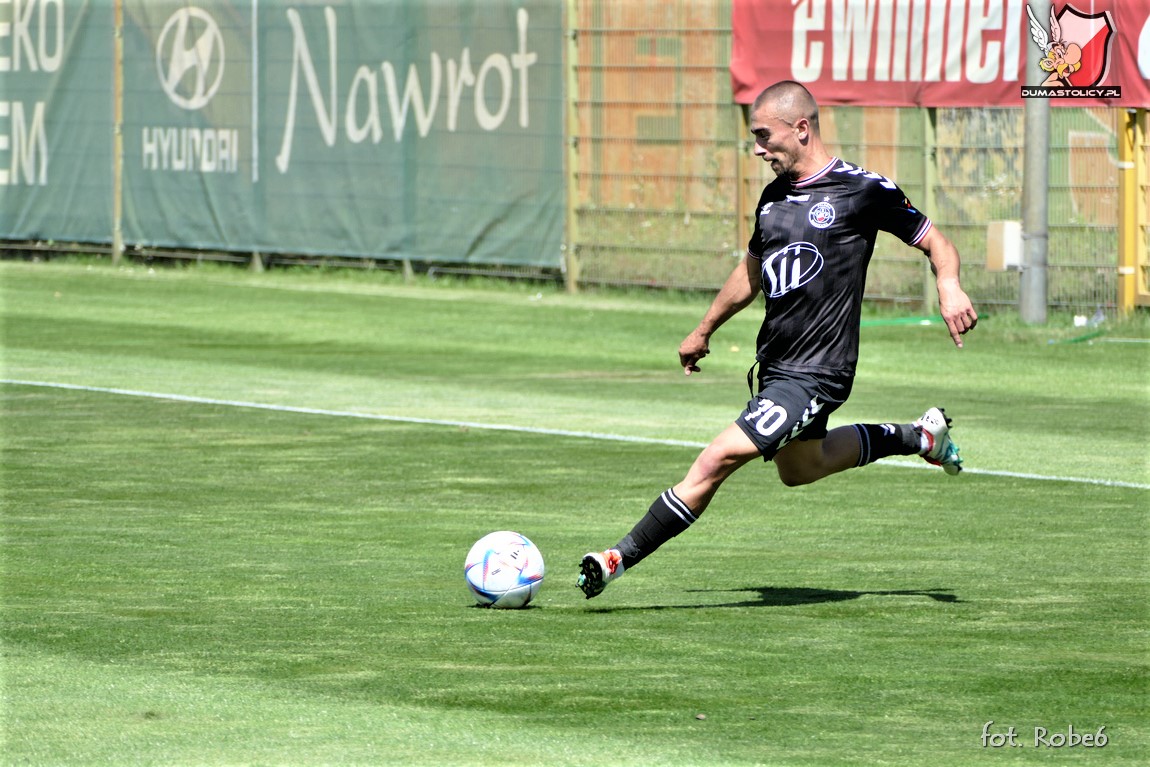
(667,517)
(879,440)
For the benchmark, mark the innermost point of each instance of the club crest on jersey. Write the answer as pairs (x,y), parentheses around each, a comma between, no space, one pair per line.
(790,268)
(821,215)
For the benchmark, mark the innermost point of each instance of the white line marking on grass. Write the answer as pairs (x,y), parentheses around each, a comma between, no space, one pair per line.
(902,464)
(520,429)
(351,414)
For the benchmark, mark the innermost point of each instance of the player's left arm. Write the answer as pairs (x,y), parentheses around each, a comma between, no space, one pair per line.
(955,306)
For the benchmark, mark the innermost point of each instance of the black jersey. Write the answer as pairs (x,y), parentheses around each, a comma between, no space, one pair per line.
(814,239)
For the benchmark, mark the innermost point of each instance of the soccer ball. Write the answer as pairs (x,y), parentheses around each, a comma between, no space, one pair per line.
(504,569)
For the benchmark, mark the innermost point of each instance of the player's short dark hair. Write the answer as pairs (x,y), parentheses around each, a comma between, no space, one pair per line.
(793,101)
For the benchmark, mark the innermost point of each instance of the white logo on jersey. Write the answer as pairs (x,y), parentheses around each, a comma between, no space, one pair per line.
(790,268)
(852,170)
(821,215)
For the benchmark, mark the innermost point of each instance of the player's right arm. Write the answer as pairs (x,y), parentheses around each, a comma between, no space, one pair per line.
(737,293)
(953,302)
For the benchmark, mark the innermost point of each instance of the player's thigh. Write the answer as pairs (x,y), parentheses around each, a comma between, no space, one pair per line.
(726,453)
(721,458)
(802,461)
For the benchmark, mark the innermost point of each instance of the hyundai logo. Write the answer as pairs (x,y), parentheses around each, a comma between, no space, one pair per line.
(190,58)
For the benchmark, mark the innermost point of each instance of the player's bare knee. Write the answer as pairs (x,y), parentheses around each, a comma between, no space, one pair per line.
(714,462)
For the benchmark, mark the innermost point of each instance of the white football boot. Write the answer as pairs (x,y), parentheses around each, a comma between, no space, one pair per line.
(598,569)
(940,448)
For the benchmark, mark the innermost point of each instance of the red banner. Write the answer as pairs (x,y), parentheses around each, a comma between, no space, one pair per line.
(956,53)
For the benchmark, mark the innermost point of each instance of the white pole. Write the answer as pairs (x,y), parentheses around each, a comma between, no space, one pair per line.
(1032,293)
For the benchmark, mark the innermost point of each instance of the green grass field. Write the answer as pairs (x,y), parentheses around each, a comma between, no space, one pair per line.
(190,579)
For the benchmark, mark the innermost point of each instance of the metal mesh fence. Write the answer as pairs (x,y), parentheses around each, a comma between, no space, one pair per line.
(657,144)
(664,183)
(661,182)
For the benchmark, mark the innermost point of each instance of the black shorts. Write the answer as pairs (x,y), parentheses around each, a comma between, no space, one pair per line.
(792,406)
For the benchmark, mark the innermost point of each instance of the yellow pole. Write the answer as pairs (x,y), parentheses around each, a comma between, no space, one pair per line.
(1142,211)
(1128,150)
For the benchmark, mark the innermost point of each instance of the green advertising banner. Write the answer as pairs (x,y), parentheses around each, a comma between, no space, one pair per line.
(435,129)
(56,98)
(425,131)
(188,146)
(392,129)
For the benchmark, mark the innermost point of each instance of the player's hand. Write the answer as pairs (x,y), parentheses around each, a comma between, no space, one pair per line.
(957,312)
(693,349)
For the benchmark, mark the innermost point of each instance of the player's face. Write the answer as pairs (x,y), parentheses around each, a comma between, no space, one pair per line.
(776,141)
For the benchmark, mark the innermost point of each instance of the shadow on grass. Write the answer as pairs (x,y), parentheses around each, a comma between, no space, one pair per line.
(775,596)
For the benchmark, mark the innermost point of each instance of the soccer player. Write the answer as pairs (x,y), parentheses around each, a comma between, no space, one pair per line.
(816,229)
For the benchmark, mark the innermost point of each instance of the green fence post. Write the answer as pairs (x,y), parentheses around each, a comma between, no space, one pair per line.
(929,180)
(118,135)
(570,239)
